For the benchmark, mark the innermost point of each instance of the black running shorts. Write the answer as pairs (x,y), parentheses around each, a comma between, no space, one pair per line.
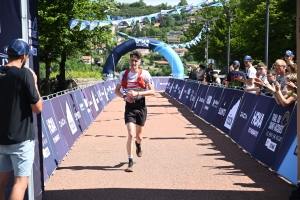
(136,112)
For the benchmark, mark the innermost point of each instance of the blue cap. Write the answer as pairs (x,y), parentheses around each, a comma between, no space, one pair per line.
(289,53)
(247,58)
(236,63)
(18,47)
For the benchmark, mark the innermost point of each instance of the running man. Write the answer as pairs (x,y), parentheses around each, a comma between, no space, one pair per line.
(134,82)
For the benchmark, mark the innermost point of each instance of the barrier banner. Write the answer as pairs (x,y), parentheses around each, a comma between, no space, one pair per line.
(110,88)
(105,92)
(192,95)
(83,108)
(101,94)
(181,84)
(175,86)
(163,82)
(156,83)
(46,177)
(288,138)
(94,108)
(186,92)
(271,137)
(211,104)
(238,117)
(76,112)
(87,104)
(169,86)
(49,153)
(200,99)
(97,104)
(98,94)
(63,125)
(227,110)
(288,167)
(52,127)
(36,167)
(256,123)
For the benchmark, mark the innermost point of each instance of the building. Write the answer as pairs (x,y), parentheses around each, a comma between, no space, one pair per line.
(172,40)
(181,51)
(87,59)
(156,25)
(163,63)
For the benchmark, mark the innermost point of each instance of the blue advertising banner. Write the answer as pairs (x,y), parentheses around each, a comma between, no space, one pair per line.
(82,107)
(207,102)
(200,99)
(36,168)
(169,86)
(186,92)
(238,116)
(156,83)
(62,121)
(77,112)
(94,107)
(289,136)
(192,95)
(163,82)
(110,89)
(288,167)
(52,127)
(175,86)
(49,153)
(256,123)
(86,101)
(105,92)
(180,88)
(227,110)
(101,94)
(96,99)
(208,112)
(272,135)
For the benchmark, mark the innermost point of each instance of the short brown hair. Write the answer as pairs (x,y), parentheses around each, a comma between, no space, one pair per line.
(136,54)
(293,67)
(292,77)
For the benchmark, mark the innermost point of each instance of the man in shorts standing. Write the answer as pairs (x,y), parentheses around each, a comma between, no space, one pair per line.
(134,82)
(19,98)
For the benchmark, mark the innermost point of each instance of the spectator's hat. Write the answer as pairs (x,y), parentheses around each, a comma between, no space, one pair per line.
(18,47)
(236,63)
(289,53)
(248,58)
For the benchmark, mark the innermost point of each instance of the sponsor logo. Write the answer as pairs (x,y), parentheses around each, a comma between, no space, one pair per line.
(215,103)
(243,115)
(270,145)
(51,125)
(222,111)
(201,100)
(257,119)
(62,122)
(253,132)
(208,100)
(142,42)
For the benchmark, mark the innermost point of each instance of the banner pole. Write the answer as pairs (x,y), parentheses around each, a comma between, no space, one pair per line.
(298,77)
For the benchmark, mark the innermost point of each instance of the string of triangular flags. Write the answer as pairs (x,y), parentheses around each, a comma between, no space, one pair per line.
(91,25)
(175,46)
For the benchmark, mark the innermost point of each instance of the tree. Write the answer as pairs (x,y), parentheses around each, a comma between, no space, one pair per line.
(56,40)
(182,3)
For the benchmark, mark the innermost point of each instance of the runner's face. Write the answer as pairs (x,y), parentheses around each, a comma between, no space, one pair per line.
(134,62)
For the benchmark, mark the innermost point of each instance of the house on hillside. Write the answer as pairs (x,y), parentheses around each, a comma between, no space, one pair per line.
(171,40)
(156,25)
(175,33)
(87,59)
(181,51)
(143,51)
(185,28)
(163,63)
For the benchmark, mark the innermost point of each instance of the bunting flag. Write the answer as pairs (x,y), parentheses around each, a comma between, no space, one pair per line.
(84,24)
(93,25)
(73,23)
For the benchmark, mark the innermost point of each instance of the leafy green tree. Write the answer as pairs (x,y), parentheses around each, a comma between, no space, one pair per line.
(182,3)
(56,40)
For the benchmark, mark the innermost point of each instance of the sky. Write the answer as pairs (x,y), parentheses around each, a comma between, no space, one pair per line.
(157,2)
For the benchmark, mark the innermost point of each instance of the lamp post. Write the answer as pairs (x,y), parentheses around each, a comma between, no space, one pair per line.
(229,9)
(267,33)
(207,29)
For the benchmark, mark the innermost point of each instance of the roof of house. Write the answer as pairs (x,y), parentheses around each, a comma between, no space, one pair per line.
(180,49)
(156,25)
(163,63)
(86,57)
(173,39)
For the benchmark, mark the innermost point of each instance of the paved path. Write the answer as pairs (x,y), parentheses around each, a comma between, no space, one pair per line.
(183,158)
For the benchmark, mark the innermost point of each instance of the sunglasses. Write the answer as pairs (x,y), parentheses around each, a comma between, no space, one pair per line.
(277,66)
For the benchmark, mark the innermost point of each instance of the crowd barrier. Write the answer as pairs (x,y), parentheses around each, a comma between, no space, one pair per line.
(264,129)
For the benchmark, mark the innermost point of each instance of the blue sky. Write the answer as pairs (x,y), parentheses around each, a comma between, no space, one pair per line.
(157,2)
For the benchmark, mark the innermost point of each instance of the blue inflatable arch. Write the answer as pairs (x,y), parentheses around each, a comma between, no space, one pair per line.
(143,43)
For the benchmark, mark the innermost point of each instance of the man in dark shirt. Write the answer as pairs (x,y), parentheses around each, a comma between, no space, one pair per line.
(19,97)
(234,74)
(208,73)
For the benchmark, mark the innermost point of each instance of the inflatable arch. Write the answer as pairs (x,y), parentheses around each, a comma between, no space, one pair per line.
(143,43)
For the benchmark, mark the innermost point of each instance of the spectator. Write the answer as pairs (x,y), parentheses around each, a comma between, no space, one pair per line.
(251,73)
(271,78)
(288,57)
(232,77)
(291,68)
(216,78)
(280,66)
(194,72)
(208,73)
(201,73)
(262,70)
(231,68)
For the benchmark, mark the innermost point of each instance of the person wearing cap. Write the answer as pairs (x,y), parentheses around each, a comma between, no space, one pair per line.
(251,73)
(288,57)
(232,77)
(19,98)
